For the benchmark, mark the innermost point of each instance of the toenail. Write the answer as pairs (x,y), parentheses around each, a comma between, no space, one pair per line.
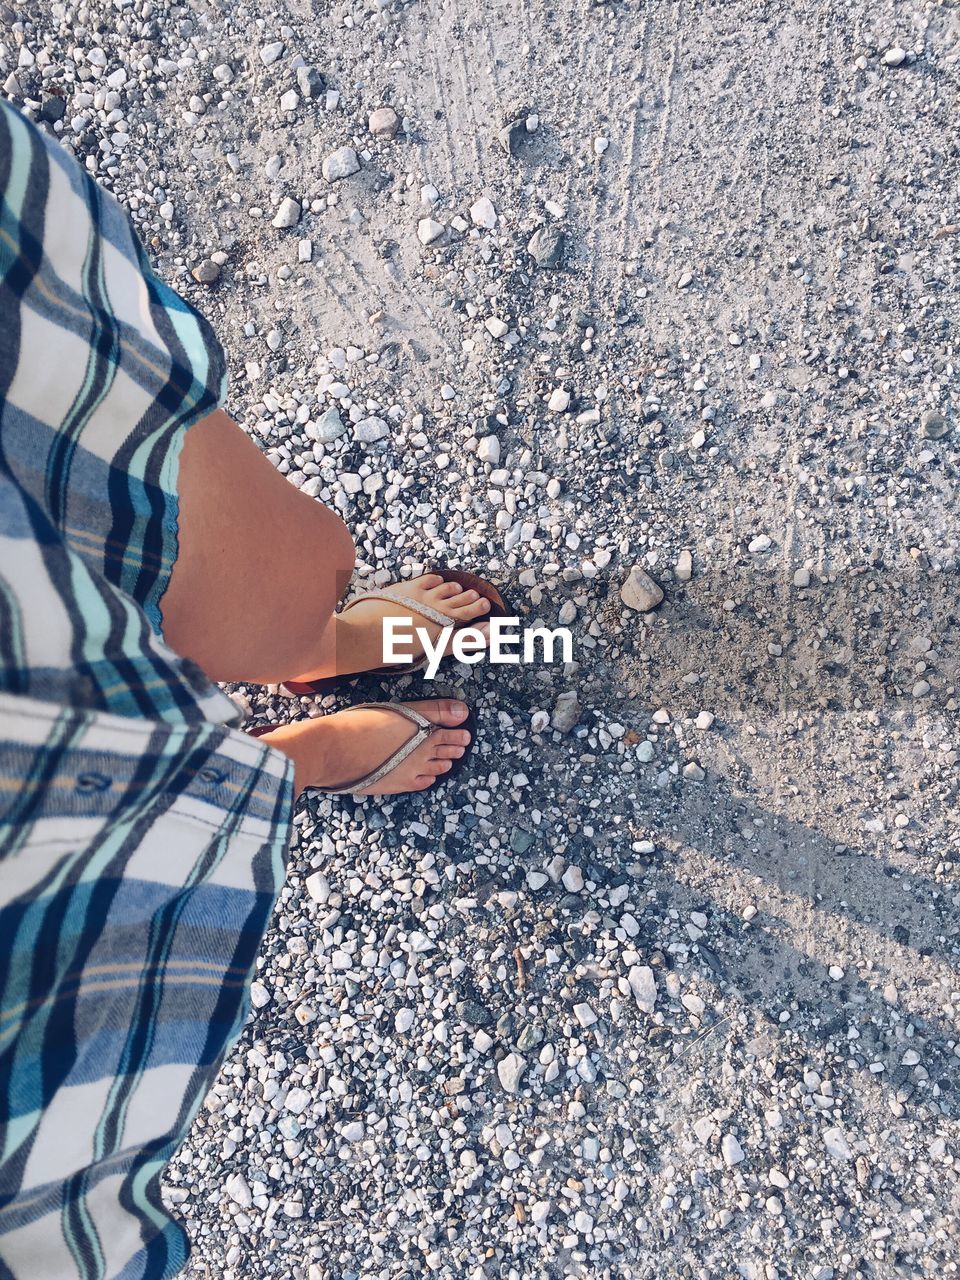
(458,708)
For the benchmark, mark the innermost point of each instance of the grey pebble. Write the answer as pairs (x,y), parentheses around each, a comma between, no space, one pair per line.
(287,215)
(566,712)
(640,592)
(546,247)
(933,424)
(370,430)
(310,82)
(340,164)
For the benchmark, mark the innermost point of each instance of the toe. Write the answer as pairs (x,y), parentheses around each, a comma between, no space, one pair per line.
(428,581)
(449,753)
(472,608)
(451,738)
(457,599)
(445,711)
(440,766)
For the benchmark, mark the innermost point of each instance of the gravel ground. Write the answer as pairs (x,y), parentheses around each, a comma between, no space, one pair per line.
(667,985)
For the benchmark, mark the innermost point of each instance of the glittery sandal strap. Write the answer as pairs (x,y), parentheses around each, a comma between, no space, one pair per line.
(424,728)
(398,595)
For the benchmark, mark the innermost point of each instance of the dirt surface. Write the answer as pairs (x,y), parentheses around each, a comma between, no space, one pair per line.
(754,312)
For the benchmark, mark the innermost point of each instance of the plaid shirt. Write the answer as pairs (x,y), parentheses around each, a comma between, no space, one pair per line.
(142,839)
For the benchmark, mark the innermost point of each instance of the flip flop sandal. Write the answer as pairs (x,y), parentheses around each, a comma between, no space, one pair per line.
(424,729)
(395,592)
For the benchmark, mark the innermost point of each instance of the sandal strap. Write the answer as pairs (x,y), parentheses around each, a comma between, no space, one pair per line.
(396,593)
(424,728)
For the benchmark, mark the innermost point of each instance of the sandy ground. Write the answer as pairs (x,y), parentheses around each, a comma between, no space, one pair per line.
(755,314)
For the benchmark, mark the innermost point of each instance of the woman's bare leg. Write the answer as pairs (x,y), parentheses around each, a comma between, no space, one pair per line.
(260,566)
(259,571)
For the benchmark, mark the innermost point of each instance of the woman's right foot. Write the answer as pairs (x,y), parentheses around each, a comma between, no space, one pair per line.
(355,640)
(333,750)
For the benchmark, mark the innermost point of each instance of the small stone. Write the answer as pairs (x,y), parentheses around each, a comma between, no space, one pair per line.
(693,1003)
(836,1144)
(836,973)
(760,543)
(305,251)
(572,879)
(328,427)
(206,273)
(566,712)
(693,772)
(540,1212)
(895,57)
(352,1131)
(546,247)
(584,1014)
(370,430)
(686,279)
(297,1101)
(340,164)
(640,592)
(287,215)
(705,720)
(384,122)
(509,1070)
(317,885)
(643,984)
(801,578)
(428,230)
(52,108)
(310,82)
(290,100)
(704,1129)
(238,1190)
(271,52)
(496,327)
(731,1150)
(933,425)
(483,214)
(403,1021)
(559,401)
(536,880)
(259,995)
(488,450)
(684,569)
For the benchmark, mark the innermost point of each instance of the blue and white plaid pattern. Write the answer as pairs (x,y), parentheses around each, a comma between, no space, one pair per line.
(142,840)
